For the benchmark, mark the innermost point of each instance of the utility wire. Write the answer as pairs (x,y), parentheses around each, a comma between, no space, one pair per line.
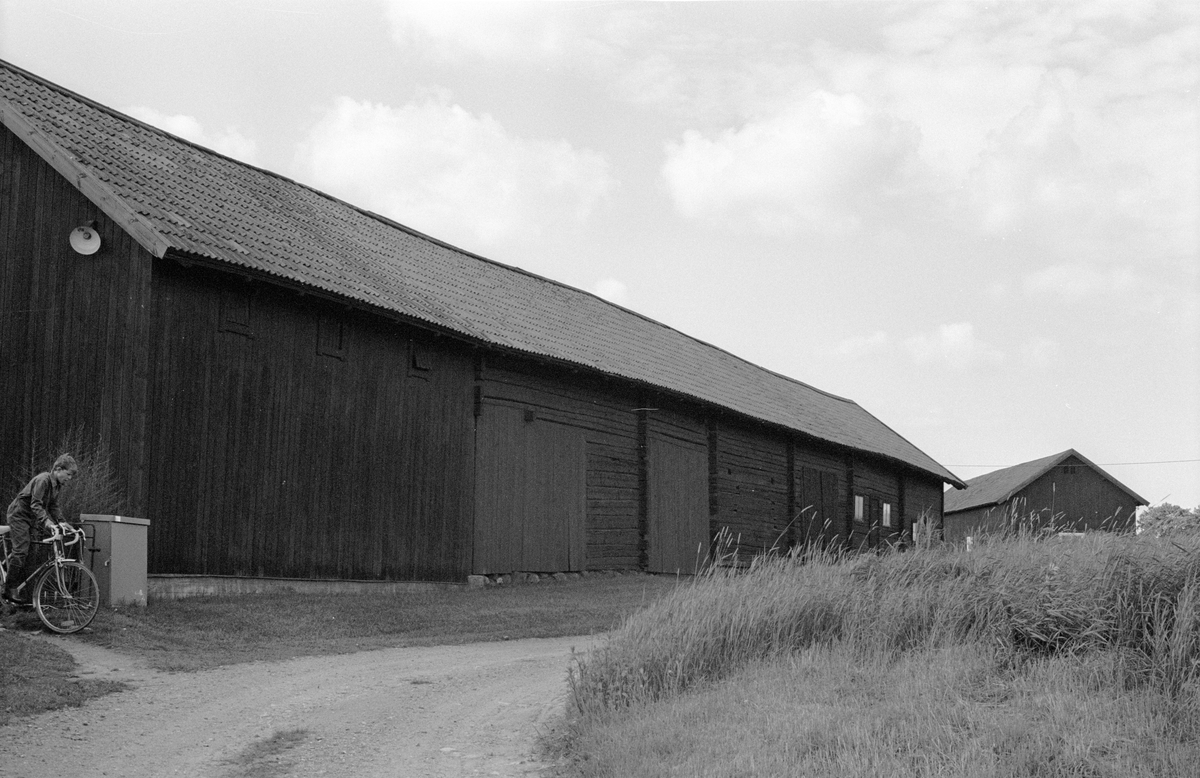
(1106,464)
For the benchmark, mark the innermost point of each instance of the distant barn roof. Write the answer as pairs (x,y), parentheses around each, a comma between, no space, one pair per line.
(180,199)
(1000,486)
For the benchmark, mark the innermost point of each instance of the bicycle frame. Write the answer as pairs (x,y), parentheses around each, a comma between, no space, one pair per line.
(57,542)
(64,591)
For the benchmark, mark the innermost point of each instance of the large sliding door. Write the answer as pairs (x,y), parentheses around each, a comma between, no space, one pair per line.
(677,504)
(530,493)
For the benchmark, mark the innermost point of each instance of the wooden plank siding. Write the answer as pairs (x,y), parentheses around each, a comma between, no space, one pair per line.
(923,497)
(1071,497)
(879,485)
(272,458)
(819,487)
(1075,498)
(606,418)
(750,487)
(72,327)
(530,493)
(676,483)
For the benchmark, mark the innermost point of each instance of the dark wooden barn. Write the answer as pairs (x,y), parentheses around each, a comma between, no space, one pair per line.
(1065,492)
(295,387)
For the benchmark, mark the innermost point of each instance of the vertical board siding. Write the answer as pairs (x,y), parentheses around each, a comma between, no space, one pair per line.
(530,493)
(73,328)
(678,531)
(1059,500)
(1074,497)
(820,482)
(273,459)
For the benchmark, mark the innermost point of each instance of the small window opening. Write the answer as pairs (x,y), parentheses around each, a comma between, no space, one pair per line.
(235,310)
(420,358)
(860,514)
(331,337)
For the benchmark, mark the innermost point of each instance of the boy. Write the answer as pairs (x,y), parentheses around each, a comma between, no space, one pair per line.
(37,504)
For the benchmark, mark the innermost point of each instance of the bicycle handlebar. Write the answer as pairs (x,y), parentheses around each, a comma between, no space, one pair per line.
(61,531)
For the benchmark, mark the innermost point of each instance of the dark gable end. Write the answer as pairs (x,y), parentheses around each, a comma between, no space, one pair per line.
(999,486)
(180,200)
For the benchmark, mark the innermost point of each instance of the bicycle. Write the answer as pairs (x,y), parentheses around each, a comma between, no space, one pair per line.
(65,593)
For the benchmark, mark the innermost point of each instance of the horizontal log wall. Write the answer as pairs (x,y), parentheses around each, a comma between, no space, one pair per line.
(73,328)
(923,498)
(750,487)
(879,484)
(297,438)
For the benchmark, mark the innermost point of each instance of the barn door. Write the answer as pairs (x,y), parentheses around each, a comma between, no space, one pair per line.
(530,493)
(874,521)
(677,504)
(817,505)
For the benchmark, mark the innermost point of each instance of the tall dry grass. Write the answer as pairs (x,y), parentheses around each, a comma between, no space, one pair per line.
(1020,595)
(96,488)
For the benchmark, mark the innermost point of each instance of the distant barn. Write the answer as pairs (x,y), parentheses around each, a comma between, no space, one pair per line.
(295,387)
(1064,492)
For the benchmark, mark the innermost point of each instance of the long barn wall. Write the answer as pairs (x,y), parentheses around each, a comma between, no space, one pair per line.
(296,438)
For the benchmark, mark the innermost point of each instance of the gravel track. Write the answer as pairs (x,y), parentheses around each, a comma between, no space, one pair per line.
(441,712)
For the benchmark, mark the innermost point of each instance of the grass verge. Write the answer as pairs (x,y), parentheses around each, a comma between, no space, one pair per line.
(37,677)
(1026,656)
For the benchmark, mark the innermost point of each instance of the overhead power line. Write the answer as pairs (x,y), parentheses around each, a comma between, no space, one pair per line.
(1107,464)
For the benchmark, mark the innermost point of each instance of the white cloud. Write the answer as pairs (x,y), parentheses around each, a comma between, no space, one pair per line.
(951,345)
(1040,352)
(612,290)
(860,346)
(453,28)
(954,345)
(1067,128)
(820,164)
(230,142)
(1078,281)
(442,170)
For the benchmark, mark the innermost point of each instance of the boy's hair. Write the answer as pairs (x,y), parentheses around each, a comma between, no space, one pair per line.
(66,462)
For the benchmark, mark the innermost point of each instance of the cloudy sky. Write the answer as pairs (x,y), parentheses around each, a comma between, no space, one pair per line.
(979,221)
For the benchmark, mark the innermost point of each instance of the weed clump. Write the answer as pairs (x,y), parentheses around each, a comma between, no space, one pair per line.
(96,488)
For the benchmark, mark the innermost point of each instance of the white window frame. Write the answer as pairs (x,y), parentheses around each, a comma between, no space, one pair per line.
(860,508)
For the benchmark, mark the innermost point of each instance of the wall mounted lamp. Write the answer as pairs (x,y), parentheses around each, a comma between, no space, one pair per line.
(85,239)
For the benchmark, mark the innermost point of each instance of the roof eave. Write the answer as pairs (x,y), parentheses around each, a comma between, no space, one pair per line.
(84,180)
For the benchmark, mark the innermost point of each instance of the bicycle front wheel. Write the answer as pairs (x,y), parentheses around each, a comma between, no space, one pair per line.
(66,597)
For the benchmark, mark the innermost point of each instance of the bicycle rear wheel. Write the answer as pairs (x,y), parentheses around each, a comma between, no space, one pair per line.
(66,597)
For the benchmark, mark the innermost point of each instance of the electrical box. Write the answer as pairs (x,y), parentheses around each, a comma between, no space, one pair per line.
(118,558)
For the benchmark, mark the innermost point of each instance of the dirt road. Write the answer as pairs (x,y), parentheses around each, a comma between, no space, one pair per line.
(443,712)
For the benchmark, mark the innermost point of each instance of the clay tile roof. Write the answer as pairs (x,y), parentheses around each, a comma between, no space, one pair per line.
(999,486)
(176,197)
